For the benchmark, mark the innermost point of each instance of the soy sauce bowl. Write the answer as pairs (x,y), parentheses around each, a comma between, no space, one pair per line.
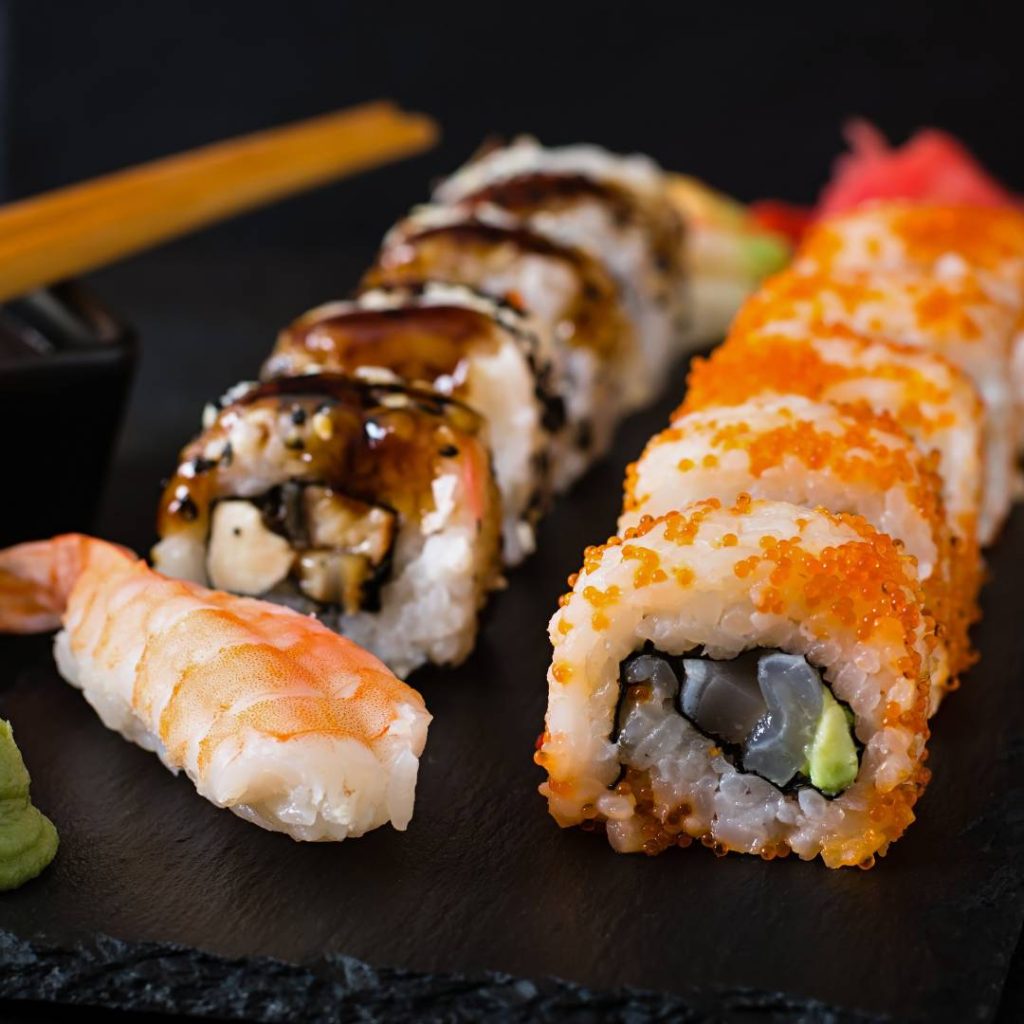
(66,363)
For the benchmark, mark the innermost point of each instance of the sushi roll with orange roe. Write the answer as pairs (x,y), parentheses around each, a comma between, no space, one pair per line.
(810,453)
(955,319)
(939,241)
(754,676)
(928,397)
(943,242)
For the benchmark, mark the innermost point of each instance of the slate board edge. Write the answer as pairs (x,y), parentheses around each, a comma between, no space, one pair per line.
(170,978)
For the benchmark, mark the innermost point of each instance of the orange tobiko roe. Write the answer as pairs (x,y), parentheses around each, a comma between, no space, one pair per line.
(745,367)
(863,585)
(824,301)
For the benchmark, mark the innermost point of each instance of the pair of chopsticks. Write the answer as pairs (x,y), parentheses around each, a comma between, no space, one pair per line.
(79,228)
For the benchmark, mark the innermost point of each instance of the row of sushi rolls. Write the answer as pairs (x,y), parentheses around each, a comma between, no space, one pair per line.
(752,661)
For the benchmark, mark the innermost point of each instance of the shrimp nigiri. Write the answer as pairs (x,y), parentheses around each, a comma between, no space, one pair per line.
(270,714)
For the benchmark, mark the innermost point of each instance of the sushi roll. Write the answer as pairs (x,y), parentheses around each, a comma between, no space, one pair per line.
(461,344)
(955,319)
(618,209)
(940,241)
(753,676)
(933,402)
(372,506)
(814,454)
(568,293)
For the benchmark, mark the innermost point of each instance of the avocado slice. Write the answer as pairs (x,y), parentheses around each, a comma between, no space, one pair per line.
(832,754)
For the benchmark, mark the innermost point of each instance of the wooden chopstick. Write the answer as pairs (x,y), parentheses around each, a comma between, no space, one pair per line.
(79,228)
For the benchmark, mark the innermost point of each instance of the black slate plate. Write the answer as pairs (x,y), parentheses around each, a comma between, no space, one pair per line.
(394,925)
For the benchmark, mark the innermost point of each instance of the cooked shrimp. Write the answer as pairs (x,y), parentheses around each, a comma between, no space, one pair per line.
(269,713)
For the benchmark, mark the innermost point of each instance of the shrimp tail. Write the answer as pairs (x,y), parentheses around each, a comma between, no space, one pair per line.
(36,579)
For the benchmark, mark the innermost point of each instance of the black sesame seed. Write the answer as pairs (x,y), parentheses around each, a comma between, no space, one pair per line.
(295,444)
(186,508)
(448,451)
(298,415)
(554,412)
(237,531)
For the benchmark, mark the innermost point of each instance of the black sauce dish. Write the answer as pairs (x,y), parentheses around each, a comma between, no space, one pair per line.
(66,363)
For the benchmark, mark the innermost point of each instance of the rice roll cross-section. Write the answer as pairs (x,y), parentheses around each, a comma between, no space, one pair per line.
(814,454)
(567,292)
(373,506)
(956,319)
(755,677)
(617,208)
(930,399)
(463,345)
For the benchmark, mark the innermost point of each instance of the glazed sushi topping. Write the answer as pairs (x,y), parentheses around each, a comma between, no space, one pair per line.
(298,486)
(770,711)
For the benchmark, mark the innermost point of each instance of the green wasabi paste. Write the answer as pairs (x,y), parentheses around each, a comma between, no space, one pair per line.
(28,840)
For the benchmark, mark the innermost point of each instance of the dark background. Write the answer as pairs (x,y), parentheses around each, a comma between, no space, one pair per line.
(749,97)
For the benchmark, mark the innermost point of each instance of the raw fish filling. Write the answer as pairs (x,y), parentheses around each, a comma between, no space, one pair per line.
(770,713)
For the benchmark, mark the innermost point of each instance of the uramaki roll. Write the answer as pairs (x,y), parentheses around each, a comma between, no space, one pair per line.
(373,506)
(463,345)
(955,319)
(618,209)
(565,290)
(934,402)
(812,454)
(662,727)
(940,241)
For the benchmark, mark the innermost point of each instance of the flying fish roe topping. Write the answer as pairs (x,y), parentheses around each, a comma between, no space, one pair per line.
(684,575)
(855,454)
(939,310)
(683,527)
(630,500)
(861,582)
(648,571)
(883,304)
(795,295)
(763,362)
(601,600)
(982,236)
(561,672)
(742,504)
